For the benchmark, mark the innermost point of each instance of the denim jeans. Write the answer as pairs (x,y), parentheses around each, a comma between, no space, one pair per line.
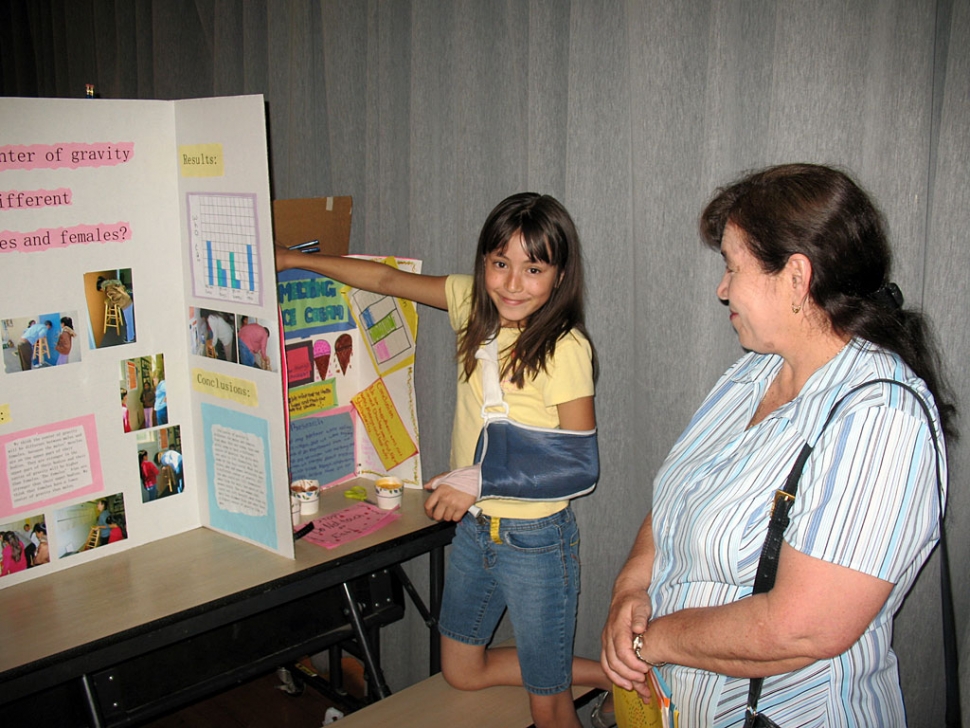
(533,571)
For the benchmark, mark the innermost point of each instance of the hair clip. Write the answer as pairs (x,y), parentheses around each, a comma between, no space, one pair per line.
(889,296)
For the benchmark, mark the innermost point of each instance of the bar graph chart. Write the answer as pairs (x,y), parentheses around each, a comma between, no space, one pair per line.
(225,247)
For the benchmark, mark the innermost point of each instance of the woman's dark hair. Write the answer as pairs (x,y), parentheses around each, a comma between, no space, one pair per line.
(549,236)
(823,214)
(67,321)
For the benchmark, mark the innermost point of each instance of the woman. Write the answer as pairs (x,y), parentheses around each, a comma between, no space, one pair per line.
(148,402)
(807,289)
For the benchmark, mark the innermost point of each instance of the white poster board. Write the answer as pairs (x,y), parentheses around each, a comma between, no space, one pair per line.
(143,228)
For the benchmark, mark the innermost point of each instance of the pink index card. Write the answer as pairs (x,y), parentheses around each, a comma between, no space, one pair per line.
(360,519)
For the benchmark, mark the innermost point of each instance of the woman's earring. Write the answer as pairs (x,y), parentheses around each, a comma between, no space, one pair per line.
(795,308)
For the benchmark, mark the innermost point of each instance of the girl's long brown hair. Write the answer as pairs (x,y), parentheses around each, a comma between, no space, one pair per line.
(549,236)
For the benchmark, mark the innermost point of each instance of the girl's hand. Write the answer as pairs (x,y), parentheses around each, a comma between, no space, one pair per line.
(286,258)
(629,613)
(448,504)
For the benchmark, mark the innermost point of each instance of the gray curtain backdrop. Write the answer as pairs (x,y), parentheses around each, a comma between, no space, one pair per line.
(429,112)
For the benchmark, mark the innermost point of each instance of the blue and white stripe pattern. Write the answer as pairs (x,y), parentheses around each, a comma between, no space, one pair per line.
(867,500)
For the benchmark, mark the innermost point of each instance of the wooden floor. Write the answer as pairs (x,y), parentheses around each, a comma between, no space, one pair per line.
(261,703)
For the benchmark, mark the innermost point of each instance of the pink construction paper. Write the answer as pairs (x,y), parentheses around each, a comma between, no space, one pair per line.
(360,519)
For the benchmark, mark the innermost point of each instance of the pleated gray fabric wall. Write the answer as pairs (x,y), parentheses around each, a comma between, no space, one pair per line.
(429,112)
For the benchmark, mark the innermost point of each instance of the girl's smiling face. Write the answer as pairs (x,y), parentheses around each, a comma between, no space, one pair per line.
(757,300)
(518,286)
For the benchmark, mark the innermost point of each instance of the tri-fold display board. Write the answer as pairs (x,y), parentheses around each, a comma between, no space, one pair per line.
(144,383)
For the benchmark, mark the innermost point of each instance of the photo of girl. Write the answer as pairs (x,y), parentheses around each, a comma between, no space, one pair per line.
(160,463)
(38,341)
(143,396)
(24,544)
(91,524)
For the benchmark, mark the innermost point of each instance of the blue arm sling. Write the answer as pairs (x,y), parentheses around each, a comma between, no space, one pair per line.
(524,462)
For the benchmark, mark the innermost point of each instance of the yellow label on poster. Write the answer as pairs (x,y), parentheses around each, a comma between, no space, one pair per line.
(4,414)
(384,425)
(219,385)
(306,400)
(201,160)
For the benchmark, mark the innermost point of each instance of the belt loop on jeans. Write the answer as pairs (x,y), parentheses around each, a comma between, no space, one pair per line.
(494,523)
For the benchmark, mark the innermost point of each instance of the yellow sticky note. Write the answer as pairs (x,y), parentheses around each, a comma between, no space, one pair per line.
(384,425)
(314,398)
(201,160)
(4,414)
(219,385)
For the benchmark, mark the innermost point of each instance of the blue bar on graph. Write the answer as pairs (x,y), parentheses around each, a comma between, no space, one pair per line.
(249,263)
(221,273)
(208,251)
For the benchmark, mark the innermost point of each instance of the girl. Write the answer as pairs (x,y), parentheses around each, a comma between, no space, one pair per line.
(13,559)
(149,476)
(64,340)
(527,290)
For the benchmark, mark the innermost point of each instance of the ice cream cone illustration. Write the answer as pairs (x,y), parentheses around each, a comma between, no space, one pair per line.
(345,347)
(321,357)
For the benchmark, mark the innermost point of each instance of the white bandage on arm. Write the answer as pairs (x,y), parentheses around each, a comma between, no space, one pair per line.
(467,480)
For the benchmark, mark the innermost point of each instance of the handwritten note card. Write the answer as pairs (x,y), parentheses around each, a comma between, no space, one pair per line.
(358,520)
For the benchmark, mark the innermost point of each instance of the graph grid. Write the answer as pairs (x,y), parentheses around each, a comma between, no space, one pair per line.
(225,247)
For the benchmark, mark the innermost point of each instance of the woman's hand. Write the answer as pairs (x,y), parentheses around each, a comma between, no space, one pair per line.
(629,614)
(448,504)
(630,611)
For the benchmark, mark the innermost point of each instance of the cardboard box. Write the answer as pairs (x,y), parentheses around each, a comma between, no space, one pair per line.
(326,219)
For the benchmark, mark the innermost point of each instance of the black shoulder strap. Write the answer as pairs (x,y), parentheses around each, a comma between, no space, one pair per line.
(768,564)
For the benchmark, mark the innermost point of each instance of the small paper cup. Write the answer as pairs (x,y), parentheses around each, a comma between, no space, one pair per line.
(307,492)
(390,492)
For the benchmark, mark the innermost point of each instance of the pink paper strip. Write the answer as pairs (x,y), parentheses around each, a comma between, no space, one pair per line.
(360,519)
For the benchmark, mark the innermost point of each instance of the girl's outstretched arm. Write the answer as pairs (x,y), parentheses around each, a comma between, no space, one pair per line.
(369,275)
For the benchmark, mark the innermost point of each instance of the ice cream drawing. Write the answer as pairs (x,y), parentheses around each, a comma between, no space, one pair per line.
(345,347)
(321,357)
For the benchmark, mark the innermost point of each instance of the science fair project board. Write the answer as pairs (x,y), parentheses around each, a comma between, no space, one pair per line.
(142,374)
(350,379)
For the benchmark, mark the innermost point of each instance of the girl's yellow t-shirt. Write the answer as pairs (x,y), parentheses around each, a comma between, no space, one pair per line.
(567,376)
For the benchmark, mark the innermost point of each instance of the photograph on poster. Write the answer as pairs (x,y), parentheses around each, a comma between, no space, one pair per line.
(24,542)
(160,463)
(220,338)
(91,524)
(255,343)
(144,397)
(111,307)
(232,337)
(35,342)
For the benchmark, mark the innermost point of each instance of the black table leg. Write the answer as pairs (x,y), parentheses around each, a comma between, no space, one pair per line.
(372,666)
(437,584)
